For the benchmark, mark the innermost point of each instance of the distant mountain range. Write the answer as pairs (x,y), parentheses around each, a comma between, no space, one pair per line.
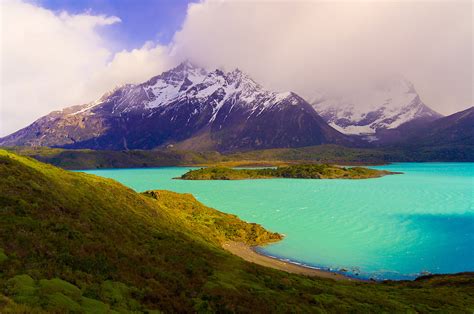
(455,129)
(191,108)
(386,106)
(187,107)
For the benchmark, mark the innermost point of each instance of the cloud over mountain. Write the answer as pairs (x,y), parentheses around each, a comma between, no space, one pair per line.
(54,59)
(306,46)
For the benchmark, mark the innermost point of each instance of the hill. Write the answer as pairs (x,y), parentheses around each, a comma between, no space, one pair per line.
(72,242)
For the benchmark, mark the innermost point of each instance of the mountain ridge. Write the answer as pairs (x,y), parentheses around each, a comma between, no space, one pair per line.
(454,129)
(388,105)
(205,110)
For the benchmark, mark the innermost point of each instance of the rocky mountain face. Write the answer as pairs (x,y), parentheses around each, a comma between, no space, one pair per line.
(449,138)
(189,108)
(387,106)
(455,129)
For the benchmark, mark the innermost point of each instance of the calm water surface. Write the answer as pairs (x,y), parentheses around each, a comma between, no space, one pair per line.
(393,227)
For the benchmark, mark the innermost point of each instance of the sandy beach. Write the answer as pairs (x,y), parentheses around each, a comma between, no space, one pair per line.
(247,253)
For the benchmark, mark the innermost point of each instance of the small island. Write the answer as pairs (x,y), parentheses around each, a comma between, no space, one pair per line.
(309,171)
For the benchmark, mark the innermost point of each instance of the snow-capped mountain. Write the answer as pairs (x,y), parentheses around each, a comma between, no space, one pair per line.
(188,107)
(387,106)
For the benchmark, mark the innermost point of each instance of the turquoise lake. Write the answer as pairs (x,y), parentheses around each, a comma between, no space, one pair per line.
(395,227)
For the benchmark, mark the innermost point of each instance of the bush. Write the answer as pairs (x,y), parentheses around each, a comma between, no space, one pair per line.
(56,285)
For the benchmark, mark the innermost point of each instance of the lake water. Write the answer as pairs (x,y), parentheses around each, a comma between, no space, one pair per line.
(395,227)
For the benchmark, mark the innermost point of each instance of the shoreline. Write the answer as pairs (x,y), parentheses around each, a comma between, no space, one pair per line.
(249,254)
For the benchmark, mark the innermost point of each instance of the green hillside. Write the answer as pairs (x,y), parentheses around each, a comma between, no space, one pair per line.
(72,242)
(332,154)
(310,171)
(92,159)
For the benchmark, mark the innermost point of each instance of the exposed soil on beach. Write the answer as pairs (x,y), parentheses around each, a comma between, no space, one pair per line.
(247,253)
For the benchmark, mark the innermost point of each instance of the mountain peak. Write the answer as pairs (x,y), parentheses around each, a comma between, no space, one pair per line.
(387,104)
(185,66)
(189,105)
(242,79)
(396,84)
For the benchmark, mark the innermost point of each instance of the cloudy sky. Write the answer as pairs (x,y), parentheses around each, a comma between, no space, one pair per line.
(57,53)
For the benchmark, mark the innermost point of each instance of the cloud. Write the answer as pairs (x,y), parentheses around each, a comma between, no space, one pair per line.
(52,60)
(308,46)
(133,66)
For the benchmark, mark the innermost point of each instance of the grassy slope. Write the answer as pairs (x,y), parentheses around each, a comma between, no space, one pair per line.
(311,171)
(346,155)
(91,159)
(77,242)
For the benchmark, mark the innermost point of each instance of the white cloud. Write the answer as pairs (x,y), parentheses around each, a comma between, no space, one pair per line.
(132,66)
(52,60)
(305,46)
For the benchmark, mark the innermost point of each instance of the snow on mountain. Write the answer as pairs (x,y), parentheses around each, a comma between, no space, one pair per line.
(387,106)
(189,106)
(188,82)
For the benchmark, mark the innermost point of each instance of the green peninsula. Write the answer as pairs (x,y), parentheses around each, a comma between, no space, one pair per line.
(309,171)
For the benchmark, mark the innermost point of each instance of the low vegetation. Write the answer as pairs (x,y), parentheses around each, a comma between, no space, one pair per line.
(78,243)
(312,171)
(331,154)
(97,159)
